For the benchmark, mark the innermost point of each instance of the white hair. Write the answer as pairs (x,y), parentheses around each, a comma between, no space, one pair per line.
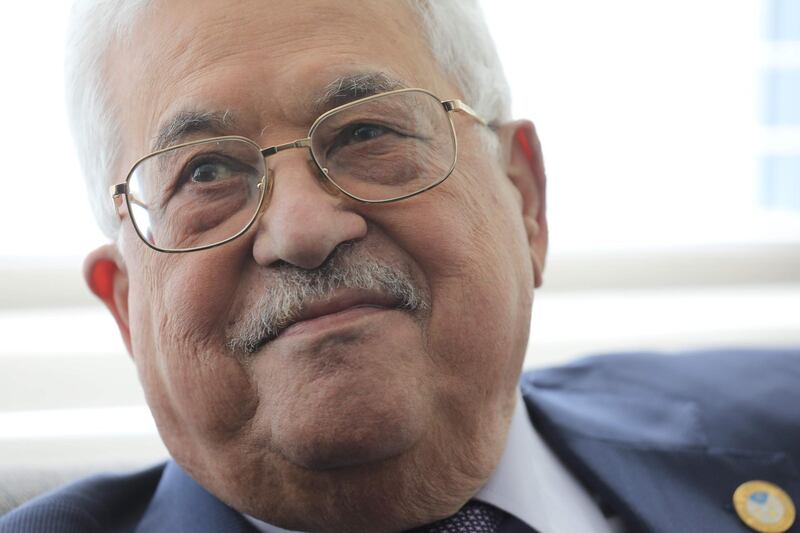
(455,29)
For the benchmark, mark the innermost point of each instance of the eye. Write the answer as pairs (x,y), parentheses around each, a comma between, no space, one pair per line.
(362,133)
(359,133)
(210,171)
(365,132)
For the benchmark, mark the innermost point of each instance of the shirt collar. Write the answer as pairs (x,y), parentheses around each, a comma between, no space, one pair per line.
(532,484)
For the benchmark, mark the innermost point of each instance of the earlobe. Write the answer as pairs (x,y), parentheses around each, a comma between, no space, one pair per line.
(105,274)
(525,170)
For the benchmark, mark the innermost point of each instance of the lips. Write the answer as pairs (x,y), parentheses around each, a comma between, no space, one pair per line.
(342,301)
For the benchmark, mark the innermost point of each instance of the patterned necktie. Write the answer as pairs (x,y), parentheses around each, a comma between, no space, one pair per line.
(474,517)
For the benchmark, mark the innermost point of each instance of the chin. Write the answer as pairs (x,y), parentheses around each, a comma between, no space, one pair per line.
(343,453)
(360,430)
(333,402)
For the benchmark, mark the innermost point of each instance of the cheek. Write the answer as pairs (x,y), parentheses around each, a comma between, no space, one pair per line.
(201,402)
(471,243)
(473,237)
(183,299)
(199,394)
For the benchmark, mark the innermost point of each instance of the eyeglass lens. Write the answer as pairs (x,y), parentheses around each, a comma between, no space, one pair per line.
(207,192)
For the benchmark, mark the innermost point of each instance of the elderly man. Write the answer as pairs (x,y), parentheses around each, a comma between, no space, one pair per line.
(326,238)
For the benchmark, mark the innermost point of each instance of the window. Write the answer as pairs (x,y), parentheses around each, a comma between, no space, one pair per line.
(652,118)
(780,188)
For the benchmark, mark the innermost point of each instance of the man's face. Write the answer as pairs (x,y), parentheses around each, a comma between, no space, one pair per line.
(372,418)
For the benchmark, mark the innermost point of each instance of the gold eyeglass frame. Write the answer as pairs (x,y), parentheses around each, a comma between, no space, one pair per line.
(450,106)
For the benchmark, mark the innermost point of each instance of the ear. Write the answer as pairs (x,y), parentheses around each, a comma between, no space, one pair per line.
(522,154)
(105,274)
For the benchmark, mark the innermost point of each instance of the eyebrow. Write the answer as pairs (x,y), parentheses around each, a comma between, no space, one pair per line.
(345,89)
(338,92)
(187,122)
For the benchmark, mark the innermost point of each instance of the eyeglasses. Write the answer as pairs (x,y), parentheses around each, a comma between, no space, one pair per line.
(379,149)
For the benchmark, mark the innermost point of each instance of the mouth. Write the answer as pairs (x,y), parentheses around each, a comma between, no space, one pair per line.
(341,308)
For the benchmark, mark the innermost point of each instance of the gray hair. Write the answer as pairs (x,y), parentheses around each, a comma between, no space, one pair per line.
(350,266)
(455,29)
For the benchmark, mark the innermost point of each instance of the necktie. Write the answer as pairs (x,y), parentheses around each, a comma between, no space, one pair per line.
(474,517)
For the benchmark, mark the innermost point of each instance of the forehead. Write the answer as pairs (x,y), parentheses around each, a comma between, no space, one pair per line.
(264,61)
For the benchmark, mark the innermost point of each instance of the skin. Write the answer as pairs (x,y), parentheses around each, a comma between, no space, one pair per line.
(385,421)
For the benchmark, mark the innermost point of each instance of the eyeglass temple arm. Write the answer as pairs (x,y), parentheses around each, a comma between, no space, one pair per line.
(458,105)
(117,192)
(121,189)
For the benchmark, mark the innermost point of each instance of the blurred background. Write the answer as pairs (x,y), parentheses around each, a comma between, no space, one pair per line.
(671,134)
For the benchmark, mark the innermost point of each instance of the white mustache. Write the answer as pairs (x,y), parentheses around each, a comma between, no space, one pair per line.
(291,288)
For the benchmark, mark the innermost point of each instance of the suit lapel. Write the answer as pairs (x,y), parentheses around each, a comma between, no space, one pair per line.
(181,505)
(647,459)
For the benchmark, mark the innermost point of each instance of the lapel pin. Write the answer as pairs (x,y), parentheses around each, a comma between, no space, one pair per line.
(764,507)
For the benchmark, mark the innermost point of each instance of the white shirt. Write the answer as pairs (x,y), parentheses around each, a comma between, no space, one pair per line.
(531,484)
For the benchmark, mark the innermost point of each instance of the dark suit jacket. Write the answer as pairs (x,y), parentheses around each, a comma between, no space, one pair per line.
(660,440)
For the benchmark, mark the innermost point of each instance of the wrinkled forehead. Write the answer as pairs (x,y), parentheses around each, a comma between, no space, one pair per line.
(269,65)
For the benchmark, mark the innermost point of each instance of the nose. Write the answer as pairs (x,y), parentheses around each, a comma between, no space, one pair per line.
(305,218)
